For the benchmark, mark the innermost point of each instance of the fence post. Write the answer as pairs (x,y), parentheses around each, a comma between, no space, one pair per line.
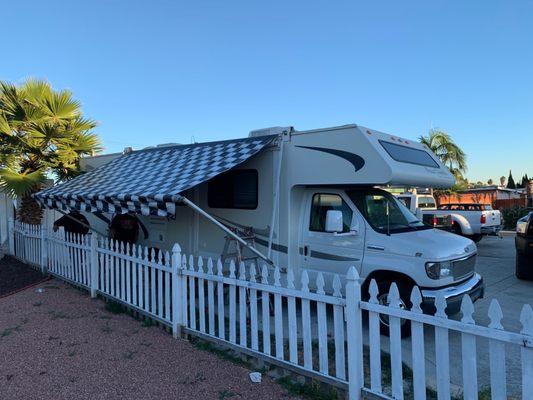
(44,250)
(11,235)
(94,264)
(354,333)
(177,317)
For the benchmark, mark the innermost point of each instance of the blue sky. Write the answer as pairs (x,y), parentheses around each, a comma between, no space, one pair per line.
(169,71)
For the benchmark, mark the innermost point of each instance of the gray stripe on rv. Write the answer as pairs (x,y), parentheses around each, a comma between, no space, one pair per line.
(314,254)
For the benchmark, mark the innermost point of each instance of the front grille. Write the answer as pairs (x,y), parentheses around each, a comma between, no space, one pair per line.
(464,267)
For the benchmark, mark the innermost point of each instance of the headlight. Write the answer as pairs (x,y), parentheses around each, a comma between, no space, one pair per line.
(521,227)
(439,270)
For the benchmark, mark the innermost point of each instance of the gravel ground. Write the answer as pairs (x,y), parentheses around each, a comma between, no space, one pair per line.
(61,344)
(15,275)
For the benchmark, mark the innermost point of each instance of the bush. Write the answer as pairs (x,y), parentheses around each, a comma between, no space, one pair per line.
(512,215)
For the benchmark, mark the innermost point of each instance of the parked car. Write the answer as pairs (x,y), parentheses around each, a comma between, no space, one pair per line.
(473,220)
(304,200)
(524,247)
(423,206)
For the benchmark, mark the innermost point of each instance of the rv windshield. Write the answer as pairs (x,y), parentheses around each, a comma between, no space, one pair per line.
(384,212)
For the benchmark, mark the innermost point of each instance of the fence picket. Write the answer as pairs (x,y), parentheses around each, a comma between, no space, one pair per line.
(253,311)
(201,295)
(134,272)
(265,311)
(395,338)
(192,296)
(442,356)
(374,340)
(468,346)
(211,297)
(306,323)
(338,330)
(498,384)
(184,294)
(220,302)
(232,304)
(291,315)
(322,327)
(526,319)
(243,340)
(418,348)
(146,288)
(278,316)
(167,286)
(159,285)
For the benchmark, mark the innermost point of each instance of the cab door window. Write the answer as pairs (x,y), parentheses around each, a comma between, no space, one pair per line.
(321,204)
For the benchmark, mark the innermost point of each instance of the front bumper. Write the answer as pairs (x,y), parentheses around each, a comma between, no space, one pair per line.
(491,230)
(474,287)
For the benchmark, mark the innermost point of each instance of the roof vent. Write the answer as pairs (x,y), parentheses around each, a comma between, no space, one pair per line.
(275,130)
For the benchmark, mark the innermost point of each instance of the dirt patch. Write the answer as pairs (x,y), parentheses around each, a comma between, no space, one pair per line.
(15,275)
(61,344)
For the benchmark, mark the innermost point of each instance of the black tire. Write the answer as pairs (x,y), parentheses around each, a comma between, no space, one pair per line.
(405,293)
(457,230)
(524,267)
(476,238)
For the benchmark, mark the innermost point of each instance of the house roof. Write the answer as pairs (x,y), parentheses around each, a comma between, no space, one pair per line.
(150,181)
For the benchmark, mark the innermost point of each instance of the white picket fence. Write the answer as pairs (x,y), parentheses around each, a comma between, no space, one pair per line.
(261,313)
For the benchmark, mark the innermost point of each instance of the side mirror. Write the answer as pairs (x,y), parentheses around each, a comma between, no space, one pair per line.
(334,221)
(354,226)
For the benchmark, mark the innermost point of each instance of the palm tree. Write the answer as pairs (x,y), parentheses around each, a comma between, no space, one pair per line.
(451,155)
(43,133)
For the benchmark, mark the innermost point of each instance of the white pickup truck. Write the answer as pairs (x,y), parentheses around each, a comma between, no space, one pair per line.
(471,220)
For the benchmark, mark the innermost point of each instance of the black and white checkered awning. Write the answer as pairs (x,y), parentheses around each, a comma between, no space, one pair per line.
(150,181)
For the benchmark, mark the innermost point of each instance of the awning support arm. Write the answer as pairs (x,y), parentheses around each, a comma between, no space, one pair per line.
(190,204)
(275,201)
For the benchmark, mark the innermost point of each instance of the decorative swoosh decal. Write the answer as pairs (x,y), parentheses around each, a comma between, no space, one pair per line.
(357,161)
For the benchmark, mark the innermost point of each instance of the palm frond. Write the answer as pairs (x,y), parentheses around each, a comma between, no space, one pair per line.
(18,184)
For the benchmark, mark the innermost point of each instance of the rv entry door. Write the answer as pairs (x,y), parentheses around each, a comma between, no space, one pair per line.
(330,252)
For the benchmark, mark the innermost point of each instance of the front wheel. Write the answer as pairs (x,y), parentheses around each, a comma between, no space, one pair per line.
(405,292)
(524,267)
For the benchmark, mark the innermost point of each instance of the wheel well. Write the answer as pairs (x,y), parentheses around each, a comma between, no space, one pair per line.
(387,276)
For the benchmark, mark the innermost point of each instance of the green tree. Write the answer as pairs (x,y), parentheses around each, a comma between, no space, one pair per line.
(450,154)
(43,133)
(490,182)
(510,181)
(525,181)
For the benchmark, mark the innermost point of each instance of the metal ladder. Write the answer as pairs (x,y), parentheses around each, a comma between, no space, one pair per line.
(248,235)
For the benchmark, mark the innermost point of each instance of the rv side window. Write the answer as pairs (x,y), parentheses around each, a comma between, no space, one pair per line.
(233,189)
(321,204)
(409,155)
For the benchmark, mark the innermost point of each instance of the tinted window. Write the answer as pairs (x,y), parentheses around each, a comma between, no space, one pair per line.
(426,202)
(409,155)
(384,212)
(233,189)
(321,204)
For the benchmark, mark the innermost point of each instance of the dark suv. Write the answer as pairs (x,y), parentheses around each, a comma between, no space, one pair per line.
(524,247)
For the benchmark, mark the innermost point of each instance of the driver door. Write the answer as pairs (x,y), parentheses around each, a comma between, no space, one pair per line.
(328,252)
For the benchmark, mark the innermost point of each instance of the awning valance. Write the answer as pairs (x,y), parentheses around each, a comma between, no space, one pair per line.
(150,181)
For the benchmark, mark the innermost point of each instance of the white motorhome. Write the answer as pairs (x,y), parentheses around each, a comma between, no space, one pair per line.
(300,200)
